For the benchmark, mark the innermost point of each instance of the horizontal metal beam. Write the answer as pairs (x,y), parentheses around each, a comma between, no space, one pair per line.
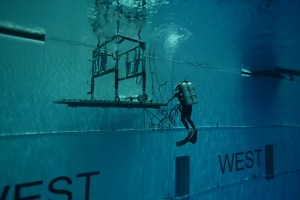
(104,72)
(129,77)
(108,40)
(108,104)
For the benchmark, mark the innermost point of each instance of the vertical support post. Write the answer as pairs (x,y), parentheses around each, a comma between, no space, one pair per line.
(103,62)
(94,63)
(182,177)
(136,61)
(144,72)
(117,75)
(92,86)
(127,66)
(269,162)
(118,26)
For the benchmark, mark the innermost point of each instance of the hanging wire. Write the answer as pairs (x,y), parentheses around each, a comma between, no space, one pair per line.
(204,66)
(159,120)
(72,42)
(156,78)
(195,64)
(151,75)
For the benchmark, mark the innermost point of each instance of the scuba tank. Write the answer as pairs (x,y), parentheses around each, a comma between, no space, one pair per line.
(188,92)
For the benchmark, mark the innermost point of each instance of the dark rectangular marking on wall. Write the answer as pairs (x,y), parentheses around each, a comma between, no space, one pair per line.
(269,161)
(182,176)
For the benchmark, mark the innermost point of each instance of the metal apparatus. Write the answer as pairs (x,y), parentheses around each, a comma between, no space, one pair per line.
(105,62)
(131,62)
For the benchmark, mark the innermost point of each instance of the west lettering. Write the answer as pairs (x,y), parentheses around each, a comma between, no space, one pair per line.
(25,191)
(230,164)
(249,158)
(238,160)
(5,192)
(19,187)
(241,160)
(258,158)
(60,191)
(88,180)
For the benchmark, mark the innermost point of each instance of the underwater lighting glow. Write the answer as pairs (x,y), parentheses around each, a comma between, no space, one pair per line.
(246,72)
(172,35)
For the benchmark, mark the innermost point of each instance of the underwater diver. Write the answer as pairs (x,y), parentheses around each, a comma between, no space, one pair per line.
(184,91)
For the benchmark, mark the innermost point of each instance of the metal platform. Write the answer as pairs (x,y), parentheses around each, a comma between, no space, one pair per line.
(108,104)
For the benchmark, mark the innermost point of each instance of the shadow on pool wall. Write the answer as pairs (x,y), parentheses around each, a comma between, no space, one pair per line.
(258,37)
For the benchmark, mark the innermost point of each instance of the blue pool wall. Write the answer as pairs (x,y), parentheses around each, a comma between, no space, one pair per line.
(141,164)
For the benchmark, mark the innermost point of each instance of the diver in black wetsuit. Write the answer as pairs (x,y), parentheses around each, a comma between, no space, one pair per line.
(186,110)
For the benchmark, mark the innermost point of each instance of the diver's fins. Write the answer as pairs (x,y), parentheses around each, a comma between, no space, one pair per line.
(193,139)
(185,140)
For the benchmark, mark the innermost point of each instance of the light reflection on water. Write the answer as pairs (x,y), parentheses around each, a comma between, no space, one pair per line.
(171,35)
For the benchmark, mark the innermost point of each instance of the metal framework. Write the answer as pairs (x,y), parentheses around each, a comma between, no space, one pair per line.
(134,62)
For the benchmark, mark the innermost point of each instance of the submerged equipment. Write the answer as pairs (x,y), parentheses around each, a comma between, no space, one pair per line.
(126,64)
(188,92)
